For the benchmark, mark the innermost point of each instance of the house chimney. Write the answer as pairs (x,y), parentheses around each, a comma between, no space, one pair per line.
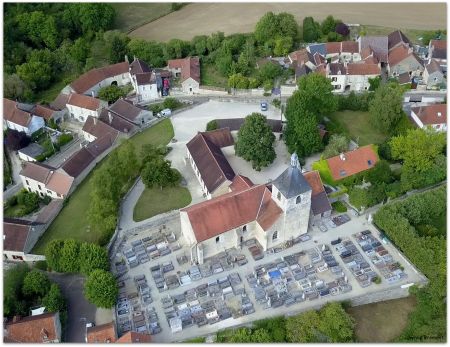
(110,117)
(342,156)
(95,121)
(439,114)
(93,94)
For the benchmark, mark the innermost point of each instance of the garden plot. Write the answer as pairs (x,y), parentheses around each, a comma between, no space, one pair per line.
(208,303)
(133,310)
(306,275)
(391,270)
(356,263)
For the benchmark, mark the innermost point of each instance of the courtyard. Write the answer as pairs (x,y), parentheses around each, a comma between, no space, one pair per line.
(163,293)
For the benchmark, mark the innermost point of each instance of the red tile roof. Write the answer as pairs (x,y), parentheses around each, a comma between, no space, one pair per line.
(314,181)
(33,329)
(397,37)
(300,56)
(319,198)
(60,102)
(15,234)
(84,101)
(13,114)
(363,69)
(50,177)
(333,47)
(429,114)
(134,337)
(86,81)
(220,137)
(355,161)
(226,212)
(97,128)
(398,54)
(105,333)
(240,183)
(190,67)
(43,111)
(439,44)
(349,47)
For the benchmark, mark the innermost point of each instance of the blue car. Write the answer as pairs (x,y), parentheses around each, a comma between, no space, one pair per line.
(264,105)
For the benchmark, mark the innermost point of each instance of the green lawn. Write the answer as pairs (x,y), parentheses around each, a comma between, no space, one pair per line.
(211,77)
(72,220)
(356,125)
(129,16)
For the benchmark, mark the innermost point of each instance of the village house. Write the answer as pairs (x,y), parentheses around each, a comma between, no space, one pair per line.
(45,180)
(144,81)
(131,113)
(31,152)
(94,128)
(188,70)
(81,106)
(17,116)
(432,116)
(376,47)
(397,38)
(345,51)
(402,59)
(273,214)
(351,77)
(210,166)
(92,81)
(134,337)
(105,333)
(48,113)
(19,238)
(433,75)
(437,50)
(352,162)
(320,205)
(43,328)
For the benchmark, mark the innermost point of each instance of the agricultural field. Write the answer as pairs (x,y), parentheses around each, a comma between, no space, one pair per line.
(206,18)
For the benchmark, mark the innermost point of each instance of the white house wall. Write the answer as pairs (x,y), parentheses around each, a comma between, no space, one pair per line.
(188,84)
(147,92)
(81,114)
(122,80)
(39,188)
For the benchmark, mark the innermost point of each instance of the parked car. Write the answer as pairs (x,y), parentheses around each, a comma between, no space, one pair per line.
(335,242)
(165,113)
(264,105)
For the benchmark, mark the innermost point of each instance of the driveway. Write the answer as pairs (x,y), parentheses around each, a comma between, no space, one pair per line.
(79,309)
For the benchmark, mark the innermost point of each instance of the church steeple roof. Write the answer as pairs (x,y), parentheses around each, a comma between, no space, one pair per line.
(291,182)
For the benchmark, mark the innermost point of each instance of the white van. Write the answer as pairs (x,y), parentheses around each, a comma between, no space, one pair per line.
(165,113)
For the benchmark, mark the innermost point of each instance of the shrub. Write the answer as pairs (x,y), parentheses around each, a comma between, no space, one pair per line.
(156,108)
(35,283)
(339,206)
(212,125)
(376,280)
(12,201)
(64,139)
(171,103)
(276,103)
(46,199)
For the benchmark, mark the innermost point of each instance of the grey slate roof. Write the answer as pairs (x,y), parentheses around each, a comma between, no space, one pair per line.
(319,48)
(291,182)
(320,203)
(32,150)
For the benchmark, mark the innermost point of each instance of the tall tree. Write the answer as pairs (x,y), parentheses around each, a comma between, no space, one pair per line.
(328,25)
(54,300)
(53,254)
(111,93)
(158,173)
(319,97)
(255,141)
(13,302)
(311,30)
(70,256)
(303,327)
(101,289)
(385,109)
(35,74)
(335,323)
(36,283)
(96,16)
(93,257)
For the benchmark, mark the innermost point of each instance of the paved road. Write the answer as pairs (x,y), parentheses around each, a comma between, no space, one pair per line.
(79,309)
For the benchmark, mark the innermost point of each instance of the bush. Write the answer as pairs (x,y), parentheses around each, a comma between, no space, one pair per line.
(12,201)
(41,265)
(212,125)
(339,206)
(46,199)
(376,280)
(101,289)
(64,139)
(156,108)
(171,103)
(276,103)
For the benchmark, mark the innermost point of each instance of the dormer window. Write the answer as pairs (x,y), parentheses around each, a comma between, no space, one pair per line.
(369,162)
(342,173)
(298,199)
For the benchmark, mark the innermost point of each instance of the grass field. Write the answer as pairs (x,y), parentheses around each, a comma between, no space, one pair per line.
(155,201)
(206,18)
(132,15)
(211,77)
(382,321)
(356,125)
(72,220)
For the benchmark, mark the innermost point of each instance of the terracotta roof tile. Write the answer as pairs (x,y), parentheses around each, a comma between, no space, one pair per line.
(300,56)
(349,47)
(398,54)
(139,66)
(397,37)
(77,162)
(98,128)
(429,114)
(125,109)
(440,44)
(333,47)
(210,161)
(355,161)
(363,69)
(319,198)
(240,183)
(43,111)
(15,234)
(105,333)
(134,337)
(226,212)
(60,102)
(190,67)
(86,81)
(34,329)
(13,114)
(220,137)
(84,101)
(49,176)
(313,178)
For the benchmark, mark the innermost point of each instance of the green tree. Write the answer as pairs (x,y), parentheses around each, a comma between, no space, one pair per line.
(311,30)
(358,197)
(13,301)
(150,51)
(318,91)
(93,257)
(283,46)
(95,16)
(246,335)
(335,323)
(36,283)
(128,161)
(267,28)
(214,41)
(198,45)
(37,75)
(101,289)
(328,25)
(171,103)
(54,300)
(338,144)
(224,61)
(374,83)
(117,46)
(255,141)
(385,109)
(158,173)
(380,173)
(212,125)
(70,256)
(111,93)
(269,71)
(53,254)
(303,327)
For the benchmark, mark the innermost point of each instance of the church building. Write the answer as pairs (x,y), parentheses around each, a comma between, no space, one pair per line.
(271,213)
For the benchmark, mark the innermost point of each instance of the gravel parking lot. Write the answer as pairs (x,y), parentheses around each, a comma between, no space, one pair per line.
(199,300)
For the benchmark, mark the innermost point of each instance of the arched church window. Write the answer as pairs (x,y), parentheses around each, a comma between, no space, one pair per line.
(275,235)
(298,200)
